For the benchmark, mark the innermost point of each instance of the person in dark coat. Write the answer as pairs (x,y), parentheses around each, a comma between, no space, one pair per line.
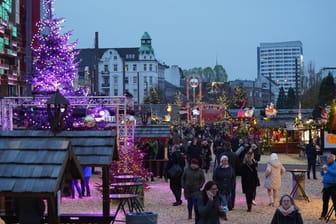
(287,212)
(218,148)
(205,155)
(194,151)
(256,158)
(311,158)
(29,210)
(249,179)
(233,162)
(240,152)
(193,179)
(224,178)
(175,183)
(209,205)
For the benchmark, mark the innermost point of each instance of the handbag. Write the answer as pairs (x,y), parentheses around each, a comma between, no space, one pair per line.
(175,170)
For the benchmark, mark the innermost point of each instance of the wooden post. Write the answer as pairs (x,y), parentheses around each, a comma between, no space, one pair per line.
(106,183)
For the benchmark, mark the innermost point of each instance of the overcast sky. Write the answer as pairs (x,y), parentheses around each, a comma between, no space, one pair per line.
(196,33)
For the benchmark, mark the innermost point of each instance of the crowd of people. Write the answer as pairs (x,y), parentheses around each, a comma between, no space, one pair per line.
(228,158)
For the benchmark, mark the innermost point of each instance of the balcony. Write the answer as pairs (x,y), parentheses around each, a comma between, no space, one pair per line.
(105,72)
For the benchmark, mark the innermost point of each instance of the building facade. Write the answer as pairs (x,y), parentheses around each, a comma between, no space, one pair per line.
(257,92)
(324,72)
(135,70)
(282,63)
(11,53)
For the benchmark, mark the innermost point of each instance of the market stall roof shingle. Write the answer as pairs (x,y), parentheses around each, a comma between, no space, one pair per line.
(35,166)
(152,131)
(92,148)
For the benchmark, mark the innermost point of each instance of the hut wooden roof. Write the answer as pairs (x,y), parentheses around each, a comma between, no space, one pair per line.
(36,166)
(152,131)
(92,148)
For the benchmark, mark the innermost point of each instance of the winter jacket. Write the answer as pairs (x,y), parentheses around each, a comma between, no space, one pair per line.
(273,173)
(208,210)
(176,158)
(224,178)
(329,178)
(292,218)
(87,171)
(249,179)
(311,152)
(192,181)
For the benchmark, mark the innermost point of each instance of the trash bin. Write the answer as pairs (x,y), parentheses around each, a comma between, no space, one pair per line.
(141,218)
(298,180)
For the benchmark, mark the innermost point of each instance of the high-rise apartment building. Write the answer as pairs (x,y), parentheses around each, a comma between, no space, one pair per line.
(282,63)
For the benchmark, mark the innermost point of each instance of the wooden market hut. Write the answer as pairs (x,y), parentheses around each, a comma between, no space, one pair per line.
(155,132)
(91,148)
(23,174)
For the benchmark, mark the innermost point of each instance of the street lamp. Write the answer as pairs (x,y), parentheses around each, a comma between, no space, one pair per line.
(57,108)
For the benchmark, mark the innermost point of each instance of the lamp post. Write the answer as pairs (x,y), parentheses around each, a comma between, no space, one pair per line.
(57,108)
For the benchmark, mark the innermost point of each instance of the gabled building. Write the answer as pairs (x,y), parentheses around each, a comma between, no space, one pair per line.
(135,70)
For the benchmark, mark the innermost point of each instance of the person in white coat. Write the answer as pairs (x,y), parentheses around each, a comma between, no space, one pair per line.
(273,173)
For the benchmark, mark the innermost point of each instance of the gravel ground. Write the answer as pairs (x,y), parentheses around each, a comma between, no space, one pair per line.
(159,199)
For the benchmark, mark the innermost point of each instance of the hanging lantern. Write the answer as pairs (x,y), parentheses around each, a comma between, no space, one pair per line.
(57,108)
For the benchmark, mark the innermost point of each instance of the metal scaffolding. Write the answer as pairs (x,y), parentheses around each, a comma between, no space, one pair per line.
(120,104)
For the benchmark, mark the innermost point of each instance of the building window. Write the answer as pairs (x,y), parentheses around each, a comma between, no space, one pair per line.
(115,80)
(106,92)
(126,80)
(126,68)
(150,80)
(135,80)
(134,67)
(145,67)
(115,57)
(115,92)
(150,67)
(106,81)
(115,67)
(106,68)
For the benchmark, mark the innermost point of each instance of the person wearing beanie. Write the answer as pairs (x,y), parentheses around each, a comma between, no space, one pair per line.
(273,173)
(224,177)
(193,179)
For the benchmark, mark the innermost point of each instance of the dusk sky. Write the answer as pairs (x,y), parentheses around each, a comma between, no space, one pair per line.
(196,33)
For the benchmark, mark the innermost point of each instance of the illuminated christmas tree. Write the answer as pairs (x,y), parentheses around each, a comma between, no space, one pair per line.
(54,59)
(54,68)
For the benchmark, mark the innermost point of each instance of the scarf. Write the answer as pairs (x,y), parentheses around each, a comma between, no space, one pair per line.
(288,211)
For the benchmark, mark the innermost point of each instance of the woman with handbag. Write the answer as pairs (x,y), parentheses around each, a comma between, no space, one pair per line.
(175,169)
